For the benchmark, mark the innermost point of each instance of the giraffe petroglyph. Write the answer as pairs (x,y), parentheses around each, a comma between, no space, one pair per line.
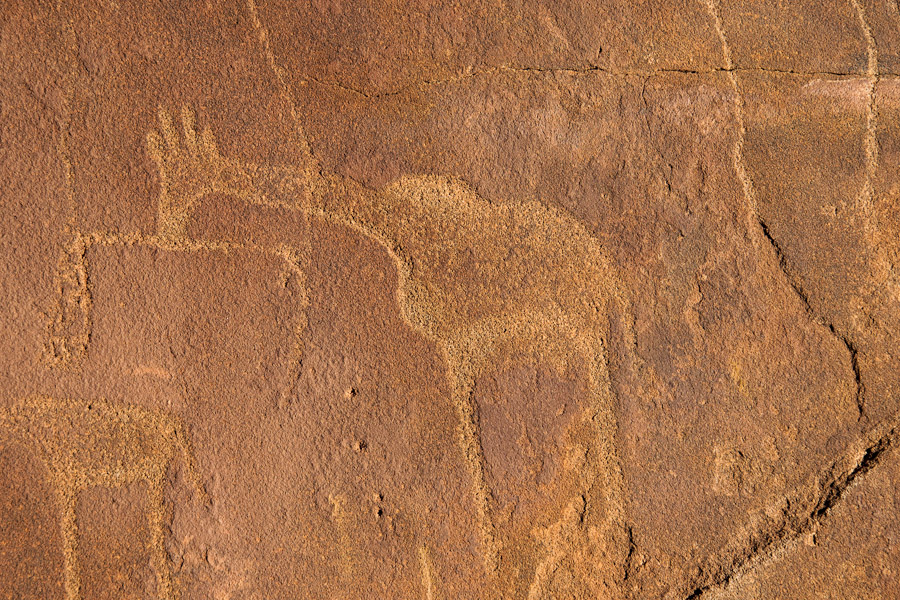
(482,280)
(86,443)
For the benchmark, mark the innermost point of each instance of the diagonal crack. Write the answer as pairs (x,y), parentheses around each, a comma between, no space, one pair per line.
(750,195)
(629,557)
(818,318)
(800,512)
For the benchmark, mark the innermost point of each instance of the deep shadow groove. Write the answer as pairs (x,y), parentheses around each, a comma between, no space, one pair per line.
(799,517)
(629,531)
(845,341)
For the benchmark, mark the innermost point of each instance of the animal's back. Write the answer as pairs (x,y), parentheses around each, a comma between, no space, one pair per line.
(470,259)
(93,439)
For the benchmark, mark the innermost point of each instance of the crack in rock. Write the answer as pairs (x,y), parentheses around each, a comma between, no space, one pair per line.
(424,84)
(798,513)
(845,341)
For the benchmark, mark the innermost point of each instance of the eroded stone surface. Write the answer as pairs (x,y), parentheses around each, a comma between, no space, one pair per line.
(851,555)
(447,300)
(30,551)
(120,565)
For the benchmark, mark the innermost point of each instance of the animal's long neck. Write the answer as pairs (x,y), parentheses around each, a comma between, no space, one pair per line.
(350,203)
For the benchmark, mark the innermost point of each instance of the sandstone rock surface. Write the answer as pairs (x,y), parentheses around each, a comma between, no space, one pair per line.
(428,299)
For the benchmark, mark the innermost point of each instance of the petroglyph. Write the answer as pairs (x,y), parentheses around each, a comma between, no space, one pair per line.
(484,281)
(552,568)
(86,443)
(454,251)
(427,575)
(69,321)
(340,518)
(489,280)
(865,198)
(190,166)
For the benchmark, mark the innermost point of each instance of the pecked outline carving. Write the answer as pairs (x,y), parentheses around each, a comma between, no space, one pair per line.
(559,312)
(563,329)
(543,284)
(69,322)
(88,443)
(760,542)
(170,237)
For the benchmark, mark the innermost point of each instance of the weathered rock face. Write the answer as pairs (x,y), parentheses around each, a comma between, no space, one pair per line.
(449,300)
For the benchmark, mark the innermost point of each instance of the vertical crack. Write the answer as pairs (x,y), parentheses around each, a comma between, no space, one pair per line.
(870,143)
(845,341)
(750,194)
(629,557)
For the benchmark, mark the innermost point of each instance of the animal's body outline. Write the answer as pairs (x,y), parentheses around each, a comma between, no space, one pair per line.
(52,428)
(558,301)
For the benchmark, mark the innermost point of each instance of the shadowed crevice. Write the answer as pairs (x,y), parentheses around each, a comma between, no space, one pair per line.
(423,84)
(845,341)
(800,512)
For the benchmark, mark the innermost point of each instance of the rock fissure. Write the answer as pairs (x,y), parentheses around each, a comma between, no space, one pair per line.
(424,84)
(844,340)
(799,513)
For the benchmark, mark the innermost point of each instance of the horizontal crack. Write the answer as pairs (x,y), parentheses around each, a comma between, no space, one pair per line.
(798,513)
(427,83)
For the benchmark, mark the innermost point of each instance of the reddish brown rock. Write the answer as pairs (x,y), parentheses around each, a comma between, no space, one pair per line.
(798,36)
(120,565)
(31,555)
(851,554)
(446,300)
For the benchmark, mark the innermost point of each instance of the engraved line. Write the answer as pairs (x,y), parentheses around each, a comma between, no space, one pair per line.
(866,196)
(95,420)
(298,261)
(427,576)
(69,528)
(758,224)
(63,348)
(283,87)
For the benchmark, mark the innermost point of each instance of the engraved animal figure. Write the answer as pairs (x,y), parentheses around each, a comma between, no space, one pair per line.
(483,280)
(96,443)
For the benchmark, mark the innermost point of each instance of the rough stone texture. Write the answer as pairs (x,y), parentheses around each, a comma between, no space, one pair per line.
(449,300)
(852,554)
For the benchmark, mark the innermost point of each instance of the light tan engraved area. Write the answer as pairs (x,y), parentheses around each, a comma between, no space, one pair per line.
(484,281)
(86,443)
(491,283)
(69,320)
(454,251)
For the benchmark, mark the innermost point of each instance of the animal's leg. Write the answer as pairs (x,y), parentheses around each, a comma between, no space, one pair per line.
(66,493)
(462,384)
(183,443)
(165,589)
(603,418)
(610,478)
(591,535)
